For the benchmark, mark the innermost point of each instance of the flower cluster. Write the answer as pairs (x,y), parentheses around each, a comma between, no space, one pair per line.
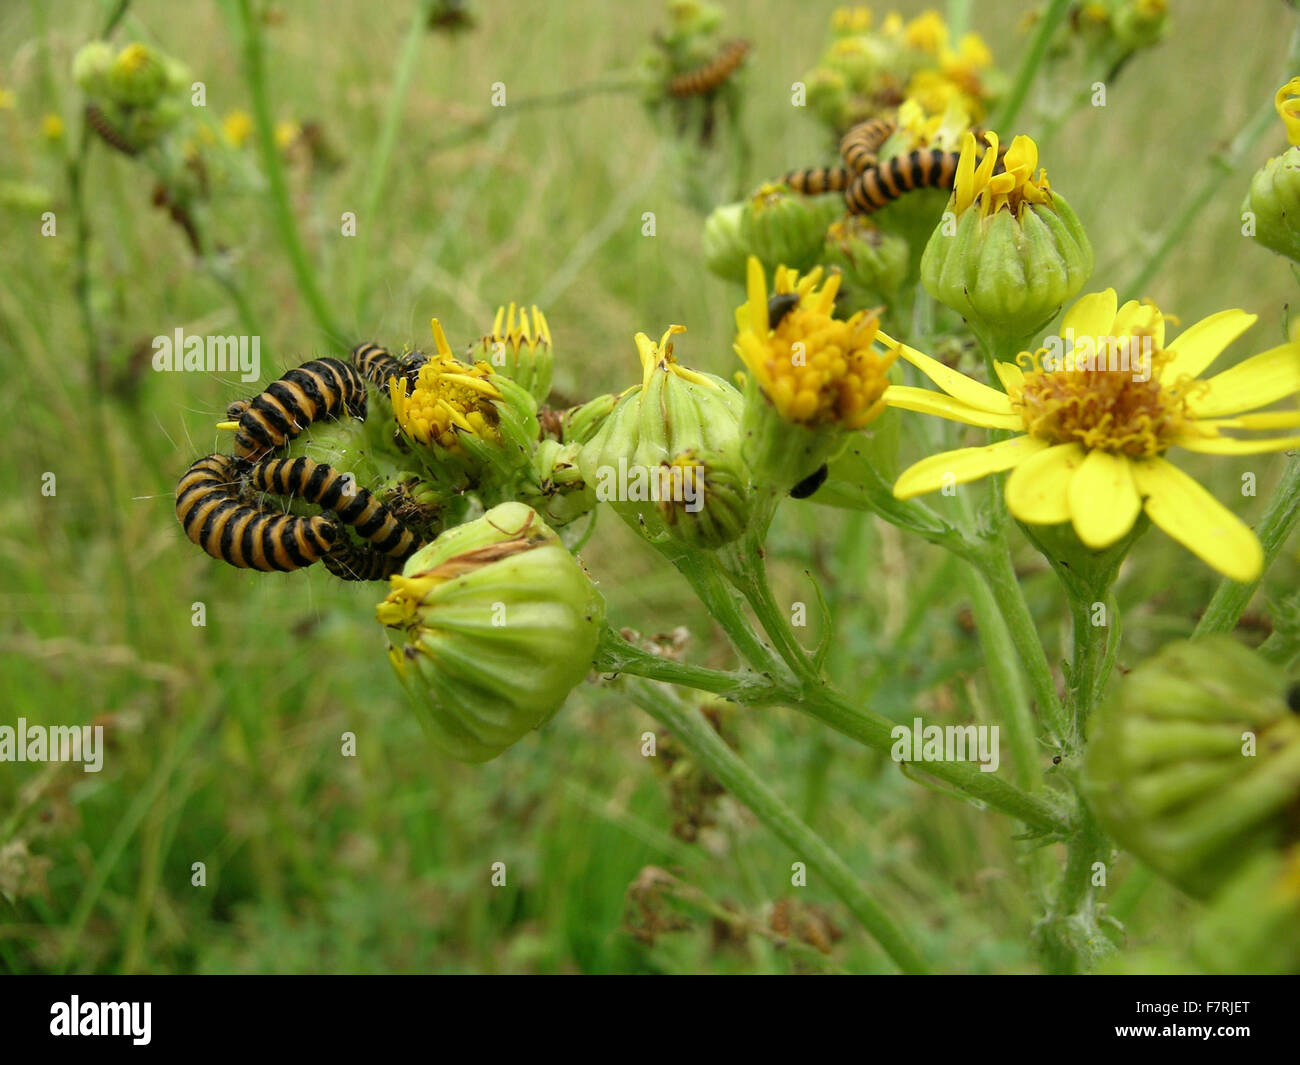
(870,69)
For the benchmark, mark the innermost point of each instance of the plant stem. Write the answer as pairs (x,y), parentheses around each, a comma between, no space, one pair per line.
(1005,680)
(617,655)
(994,564)
(707,747)
(874,731)
(1231,597)
(1047,26)
(378,163)
(281,210)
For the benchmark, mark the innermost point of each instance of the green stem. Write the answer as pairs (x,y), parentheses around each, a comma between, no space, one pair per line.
(958,18)
(876,732)
(1231,597)
(378,162)
(1222,165)
(617,655)
(710,583)
(1072,937)
(281,210)
(1047,26)
(1010,697)
(721,762)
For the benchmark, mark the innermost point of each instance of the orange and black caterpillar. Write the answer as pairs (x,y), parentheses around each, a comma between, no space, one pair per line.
(324,486)
(879,185)
(858,147)
(818,179)
(709,78)
(358,562)
(212,510)
(108,133)
(376,364)
(322,388)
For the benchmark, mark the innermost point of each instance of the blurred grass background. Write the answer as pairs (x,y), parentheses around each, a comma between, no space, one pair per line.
(224,740)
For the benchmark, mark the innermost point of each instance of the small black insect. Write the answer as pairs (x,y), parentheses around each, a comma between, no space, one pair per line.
(781,304)
(811,483)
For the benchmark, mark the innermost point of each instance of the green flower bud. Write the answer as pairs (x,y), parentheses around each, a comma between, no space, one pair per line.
(1253,922)
(138,76)
(1141,23)
(828,98)
(704,499)
(559,493)
(521,352)
(1274,201)
(783,229)
(873,262)
(1017,251)
(491,626)
(673,411)
(1194,763)
(91,66)
(724,242)
(579,424)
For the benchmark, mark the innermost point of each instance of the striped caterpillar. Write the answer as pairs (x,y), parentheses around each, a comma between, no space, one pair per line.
(707,79)
(322,388)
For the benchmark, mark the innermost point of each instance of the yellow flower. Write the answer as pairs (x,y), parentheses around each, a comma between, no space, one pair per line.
(450,397)
(851,20)
(8,99)
(525,335)
(927,33)
(1014,189)
(1095,429)
(919,129)
(286,133)
(815,369)
(1287,102)
(52,127)
(236,128)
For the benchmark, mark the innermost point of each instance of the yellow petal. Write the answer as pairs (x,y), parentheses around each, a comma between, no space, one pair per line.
(927,401)
(1231,445)
(756,293)
(1038,489)
(958,385)
(1011,375)
(1199,345)
(1092,315)
(1104,502)
(1198,521)
(965,464)
(1260,380)
(1269,419)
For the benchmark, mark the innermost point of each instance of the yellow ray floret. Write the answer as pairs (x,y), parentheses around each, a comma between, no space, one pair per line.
(449,397)
(814,368)
(1096,424)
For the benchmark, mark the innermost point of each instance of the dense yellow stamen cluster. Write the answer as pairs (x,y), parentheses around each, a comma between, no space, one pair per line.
(814,368)
(1104,409)
(450,397)
(1016,188)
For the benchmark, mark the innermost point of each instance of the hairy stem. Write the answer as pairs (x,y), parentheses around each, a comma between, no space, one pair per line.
(707,748)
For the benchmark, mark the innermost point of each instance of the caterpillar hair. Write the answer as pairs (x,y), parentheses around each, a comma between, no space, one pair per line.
(858,147)
(707,79)
(818,179)
(315,482)
(352,562)
(211,508)
(108,133)
(322,388)
(411,363)
(376,364)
